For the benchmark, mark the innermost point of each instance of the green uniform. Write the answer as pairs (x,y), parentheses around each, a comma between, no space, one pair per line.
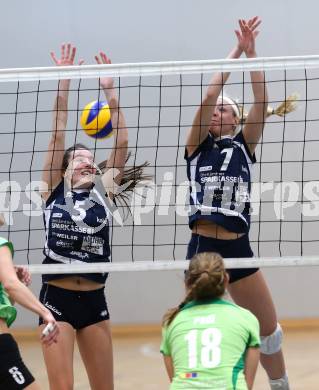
(7,311)
(207,341)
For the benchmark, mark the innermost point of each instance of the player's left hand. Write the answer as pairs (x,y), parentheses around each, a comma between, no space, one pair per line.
(106,82)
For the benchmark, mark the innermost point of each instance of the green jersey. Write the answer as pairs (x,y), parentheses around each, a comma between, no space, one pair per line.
(207,342)
(7,311)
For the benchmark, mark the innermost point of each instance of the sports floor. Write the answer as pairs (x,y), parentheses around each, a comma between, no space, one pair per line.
(138,364)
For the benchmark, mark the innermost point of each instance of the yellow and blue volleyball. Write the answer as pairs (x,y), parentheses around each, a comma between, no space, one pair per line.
(96,119)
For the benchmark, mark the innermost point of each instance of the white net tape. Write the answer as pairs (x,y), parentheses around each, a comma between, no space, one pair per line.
(169,265)
(160,68)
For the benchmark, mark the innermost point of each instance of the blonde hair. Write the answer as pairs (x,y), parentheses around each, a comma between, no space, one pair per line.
(287,106)
(204,279)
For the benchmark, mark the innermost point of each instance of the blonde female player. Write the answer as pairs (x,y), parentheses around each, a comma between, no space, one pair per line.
(219,163)
(14,374)
(208,342)
(77,215)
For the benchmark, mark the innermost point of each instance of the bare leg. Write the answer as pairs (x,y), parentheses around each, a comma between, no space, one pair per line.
(253,294)
(95,345)
(59,358)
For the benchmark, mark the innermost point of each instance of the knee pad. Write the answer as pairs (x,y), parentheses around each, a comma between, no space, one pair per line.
(272,343)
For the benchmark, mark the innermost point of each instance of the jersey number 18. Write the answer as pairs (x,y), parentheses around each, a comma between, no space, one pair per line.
(208,350)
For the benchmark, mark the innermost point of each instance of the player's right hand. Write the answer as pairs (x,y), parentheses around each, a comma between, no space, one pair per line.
(51,330)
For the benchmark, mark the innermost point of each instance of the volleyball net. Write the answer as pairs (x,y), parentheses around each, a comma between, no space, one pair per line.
(159,101)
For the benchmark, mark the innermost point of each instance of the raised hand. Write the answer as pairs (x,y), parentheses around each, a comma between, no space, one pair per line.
(105,82)
(247,35)
(67,57)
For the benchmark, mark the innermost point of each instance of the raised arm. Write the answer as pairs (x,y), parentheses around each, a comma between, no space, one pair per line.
(19,293)
(201,124)
(255,121)
(117,159)
(251,364)
(202,120)
(51,174)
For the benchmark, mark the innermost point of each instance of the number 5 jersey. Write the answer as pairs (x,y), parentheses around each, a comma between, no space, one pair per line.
(77,229)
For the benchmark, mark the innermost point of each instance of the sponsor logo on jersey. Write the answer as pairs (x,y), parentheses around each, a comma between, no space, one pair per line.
(72,228)
(63,244)
(206,168)
(219,178)
(52,308)
(79,254)
(101,220)
(57,215)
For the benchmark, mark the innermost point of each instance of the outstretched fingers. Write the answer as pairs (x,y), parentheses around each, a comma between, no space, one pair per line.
(54,58)
(102,58)
(254,23)
(67,55)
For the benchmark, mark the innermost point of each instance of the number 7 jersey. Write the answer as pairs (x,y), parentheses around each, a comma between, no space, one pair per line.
(219,173)
(207,342)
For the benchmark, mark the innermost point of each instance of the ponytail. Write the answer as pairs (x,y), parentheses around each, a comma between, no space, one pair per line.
(172,313)
(132,175)
(286,107)
(204,279)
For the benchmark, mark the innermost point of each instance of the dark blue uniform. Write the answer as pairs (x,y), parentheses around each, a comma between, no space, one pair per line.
(219,172)
(77,231)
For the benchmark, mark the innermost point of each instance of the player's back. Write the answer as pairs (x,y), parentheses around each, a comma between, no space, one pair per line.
(207,341)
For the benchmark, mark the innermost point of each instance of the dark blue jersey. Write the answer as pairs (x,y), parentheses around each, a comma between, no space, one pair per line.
(219,172)
(77,229)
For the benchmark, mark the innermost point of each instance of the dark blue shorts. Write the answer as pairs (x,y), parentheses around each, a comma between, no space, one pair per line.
(227,249)
(78,308)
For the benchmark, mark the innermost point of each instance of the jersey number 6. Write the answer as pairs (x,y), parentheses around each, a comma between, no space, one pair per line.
(17,375)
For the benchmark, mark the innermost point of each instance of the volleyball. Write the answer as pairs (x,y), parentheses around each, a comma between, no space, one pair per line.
(96,119)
